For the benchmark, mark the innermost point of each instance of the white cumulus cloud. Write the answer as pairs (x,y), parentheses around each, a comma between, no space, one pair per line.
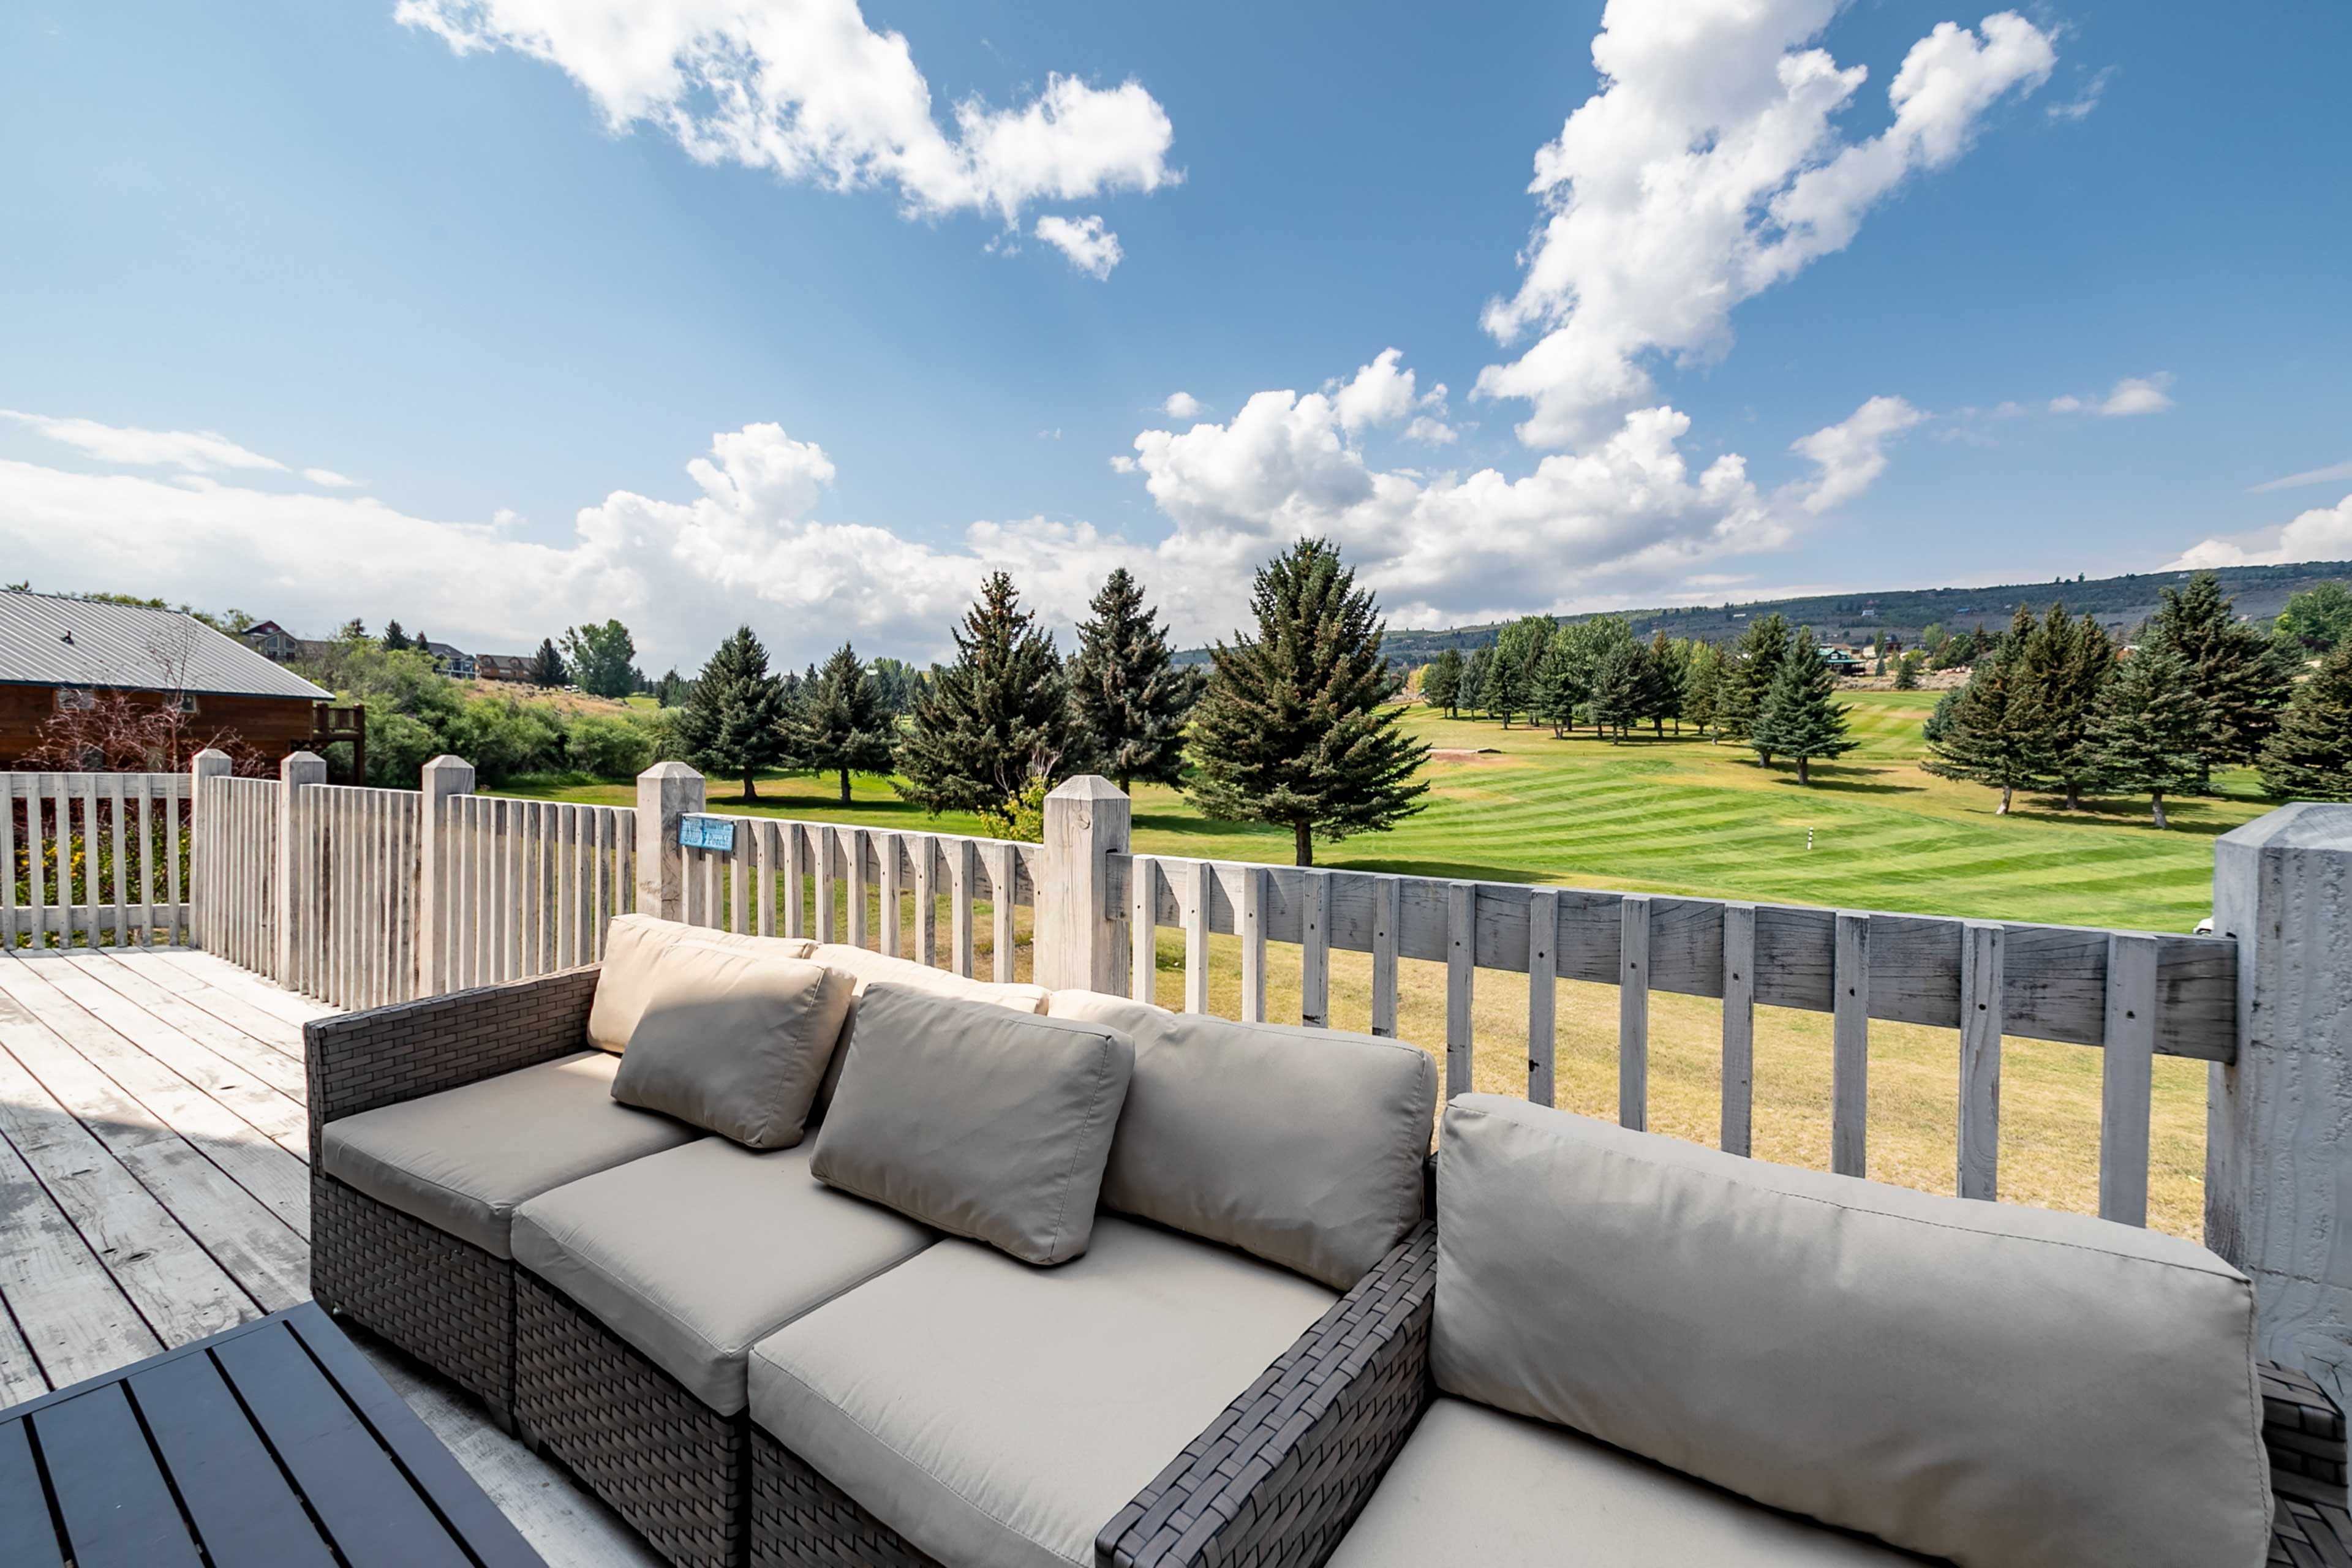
(1183,406)
(807,90)
(1707,168)
(1380,392)
(1092,248)
(2323,533)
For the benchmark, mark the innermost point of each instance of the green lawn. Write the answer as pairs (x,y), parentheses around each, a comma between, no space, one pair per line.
(1682,815)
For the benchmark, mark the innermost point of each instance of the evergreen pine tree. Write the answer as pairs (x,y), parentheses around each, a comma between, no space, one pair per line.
(1798,718)
(1990,730)
(2241,683)
(547,665)
(1441,683)
(1754,660)
(997,719)
(2070,660)
(669,691)
(1662,686)
(2310,757)
(2150,726)
(837,723)
(731,724)
(394,640)
(1296,726)
(1558,683)
(1616,692)
(1906,671)
(1703,693)
(1474,680)
(1519,652)
(1130,700)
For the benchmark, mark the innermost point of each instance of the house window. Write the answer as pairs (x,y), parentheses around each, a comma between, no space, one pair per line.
(186,702)
(75,698)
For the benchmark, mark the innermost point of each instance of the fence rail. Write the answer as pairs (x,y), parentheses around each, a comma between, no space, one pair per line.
(92,856)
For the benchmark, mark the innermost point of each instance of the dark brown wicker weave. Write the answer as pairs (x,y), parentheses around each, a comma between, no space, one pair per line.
(2304,1432)
(675,1469)
(1279,1476)
(800,1520)
(444,1301)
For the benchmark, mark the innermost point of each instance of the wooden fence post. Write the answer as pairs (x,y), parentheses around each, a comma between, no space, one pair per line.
(204,811)
(666,792)
(296,904)
(2278,1156)
(440,780)
(1077,920)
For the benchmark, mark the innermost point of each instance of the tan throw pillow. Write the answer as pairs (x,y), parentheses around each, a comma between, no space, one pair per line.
(633,944)
(976,1119)
(1993,1386)
(1303,1146)
(734,1042)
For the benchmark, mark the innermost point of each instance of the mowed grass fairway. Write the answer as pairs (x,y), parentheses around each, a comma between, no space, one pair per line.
(1681,816)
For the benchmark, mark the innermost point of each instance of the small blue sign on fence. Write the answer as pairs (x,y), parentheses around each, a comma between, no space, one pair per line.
(707,833)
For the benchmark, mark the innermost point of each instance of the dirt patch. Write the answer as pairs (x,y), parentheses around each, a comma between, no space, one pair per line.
(1465,756)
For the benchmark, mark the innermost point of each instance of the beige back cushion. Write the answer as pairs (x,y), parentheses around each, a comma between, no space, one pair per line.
(866,967)
(734,1042)
(625,978)
(976,1119)
(2001,1386)
(1303,1146)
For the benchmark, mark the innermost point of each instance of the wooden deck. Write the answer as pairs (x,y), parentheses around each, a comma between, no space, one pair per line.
(153,1190)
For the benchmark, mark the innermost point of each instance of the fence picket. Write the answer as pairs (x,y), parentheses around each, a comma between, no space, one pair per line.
(763,876)
(1251,914)
(853,843)
(1388,916)
(1142,929)
(827,839)
(1738,1027)
(1543,991)
(894,893)
(1850,1047)
(961,874)
(795,879)
(1461,971)
(926,900)
(1001,908)
(1196,939)
(1314,951)
(1981,988)
(2126,1077)
(1633,1012)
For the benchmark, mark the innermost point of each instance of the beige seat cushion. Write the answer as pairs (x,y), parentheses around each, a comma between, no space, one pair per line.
(693,1255)
(982,1122)
(625,979)
(1304,1146)
(996,1414)
(734,1042)
(465,1159)
(2005,1387)
(1476,1486)
(866,967)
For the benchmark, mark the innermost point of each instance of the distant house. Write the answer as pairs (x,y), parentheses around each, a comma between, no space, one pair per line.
(57,655)
(278,645)
(1842,660)
(451,660)
(502,666)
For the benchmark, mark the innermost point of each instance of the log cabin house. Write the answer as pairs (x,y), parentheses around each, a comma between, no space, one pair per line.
(58,653)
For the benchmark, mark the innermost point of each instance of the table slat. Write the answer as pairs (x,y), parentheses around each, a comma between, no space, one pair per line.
(244,1510)
(26,1537)
(118,1512)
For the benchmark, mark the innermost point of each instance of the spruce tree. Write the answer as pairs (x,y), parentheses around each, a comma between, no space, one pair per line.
(1441,683)
(1989,732)
(394,640)
(1661,686)
(1129,701)
(1616,696)
(1518,654)
(1703,694)
(997,719)
(2149,727)
(1474,680)
(547,665)
(838,724)
(731,725)
(1558,683)
(1296,726)
(1754,660)
(2310,758)
(2069,661)
(1798,718)
(2241,683)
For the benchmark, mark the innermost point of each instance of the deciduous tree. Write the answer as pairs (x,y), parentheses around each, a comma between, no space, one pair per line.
(2319,618)
(601,658)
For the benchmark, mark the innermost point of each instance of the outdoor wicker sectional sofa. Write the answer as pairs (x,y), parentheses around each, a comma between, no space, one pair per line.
(924,1334)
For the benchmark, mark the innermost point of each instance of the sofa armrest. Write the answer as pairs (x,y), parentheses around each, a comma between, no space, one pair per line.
(358,1062)
(1283,1471)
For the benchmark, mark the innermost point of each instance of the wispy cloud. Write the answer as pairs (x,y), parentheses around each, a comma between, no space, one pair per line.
(193,451)
(2080,106)
(2132,394)
(2308,476)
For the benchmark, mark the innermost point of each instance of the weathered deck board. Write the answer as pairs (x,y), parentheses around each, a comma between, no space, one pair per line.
(274,1114)
(152,1198)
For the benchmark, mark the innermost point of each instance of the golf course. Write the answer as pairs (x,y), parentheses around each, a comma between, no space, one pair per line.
(1680,814)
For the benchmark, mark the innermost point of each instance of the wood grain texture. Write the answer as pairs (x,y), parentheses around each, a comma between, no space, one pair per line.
(1738,1130)
(1850,1047)
(1633,944)
(1980,1027)
(1543,994)
(2126,1068)
(1461,978)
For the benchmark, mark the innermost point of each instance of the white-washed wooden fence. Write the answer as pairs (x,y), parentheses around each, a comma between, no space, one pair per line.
(236,902)
(530,886)
(89,859)
(874,887)
(353,909)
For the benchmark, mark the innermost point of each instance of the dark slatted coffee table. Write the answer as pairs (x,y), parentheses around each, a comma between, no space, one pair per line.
(274,1445)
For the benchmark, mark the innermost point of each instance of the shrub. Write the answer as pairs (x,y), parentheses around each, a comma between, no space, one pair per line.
(609,748)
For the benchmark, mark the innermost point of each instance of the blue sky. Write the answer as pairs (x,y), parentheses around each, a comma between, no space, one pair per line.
(244,247)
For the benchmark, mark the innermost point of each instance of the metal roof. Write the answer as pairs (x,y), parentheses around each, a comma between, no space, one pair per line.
(45,640)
